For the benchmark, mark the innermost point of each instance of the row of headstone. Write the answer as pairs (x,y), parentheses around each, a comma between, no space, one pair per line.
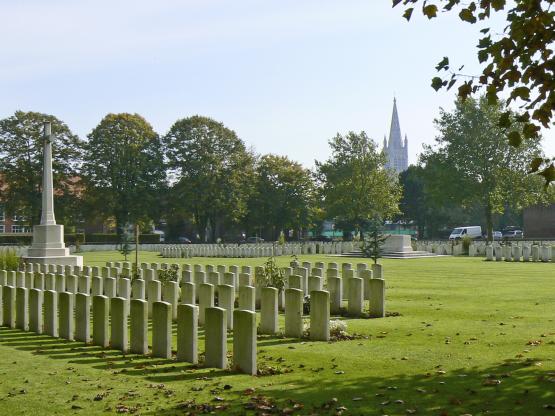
(357,290)
(525,252)
(123,325)
(513,251)
(254,250)
(299,276)
(367,285)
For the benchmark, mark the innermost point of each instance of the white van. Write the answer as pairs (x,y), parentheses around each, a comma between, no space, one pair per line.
(474,231)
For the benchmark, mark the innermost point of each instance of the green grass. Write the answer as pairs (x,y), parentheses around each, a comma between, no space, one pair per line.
(463,321)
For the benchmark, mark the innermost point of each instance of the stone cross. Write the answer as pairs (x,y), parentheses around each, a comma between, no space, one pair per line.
(47,215)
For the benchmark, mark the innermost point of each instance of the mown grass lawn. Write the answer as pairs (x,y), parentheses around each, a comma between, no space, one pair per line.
(473,337)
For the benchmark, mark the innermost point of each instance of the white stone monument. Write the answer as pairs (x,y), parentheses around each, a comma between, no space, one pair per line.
(399,246)
(48,238)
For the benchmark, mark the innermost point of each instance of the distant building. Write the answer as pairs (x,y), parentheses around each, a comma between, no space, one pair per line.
(397,153)
(539,222)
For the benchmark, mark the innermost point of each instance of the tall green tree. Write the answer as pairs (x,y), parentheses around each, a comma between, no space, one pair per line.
(475,165)
(283,197)
(213,173)
(21,165)
(433,214)
(517,61)
(413,204)
(124,169)
(354,183)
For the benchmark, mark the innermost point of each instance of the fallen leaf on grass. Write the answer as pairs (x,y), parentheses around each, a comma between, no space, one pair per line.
(491,382)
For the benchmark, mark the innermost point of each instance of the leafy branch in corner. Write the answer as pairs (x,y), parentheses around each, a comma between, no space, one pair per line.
(518,62)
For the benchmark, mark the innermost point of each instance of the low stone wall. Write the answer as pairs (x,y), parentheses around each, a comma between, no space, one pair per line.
(254,250)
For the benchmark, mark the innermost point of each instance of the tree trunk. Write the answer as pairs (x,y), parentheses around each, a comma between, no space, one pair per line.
(489,222)
(136,271)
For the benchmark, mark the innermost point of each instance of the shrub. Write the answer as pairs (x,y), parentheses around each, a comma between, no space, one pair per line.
(373,240)
(9,260)
(168,275)
(466,241)
(338,330)
(16,239)
(272,276)
(113,238)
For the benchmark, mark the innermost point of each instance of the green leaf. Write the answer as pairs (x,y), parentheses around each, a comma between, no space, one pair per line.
(549,174)
(466,15)
(430,11)
(396,2)
(465,90)
(498,4)
(530,130)
(437,83)
(535,164)
(505,120)
(514,138)
(408,13)
(443,64)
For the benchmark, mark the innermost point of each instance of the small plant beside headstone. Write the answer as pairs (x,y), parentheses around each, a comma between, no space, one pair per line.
(373,239)
(9,260)
(125,247)
(272,275)
(168,275)
(338,331)
(466,241)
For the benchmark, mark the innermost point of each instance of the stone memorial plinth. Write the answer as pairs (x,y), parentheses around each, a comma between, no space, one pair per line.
(399,246)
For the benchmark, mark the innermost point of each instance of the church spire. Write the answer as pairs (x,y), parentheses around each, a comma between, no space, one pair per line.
(395,139)
(396,148)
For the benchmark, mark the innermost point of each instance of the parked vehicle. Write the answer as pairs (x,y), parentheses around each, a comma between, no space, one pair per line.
(323,238)
(474,231)
(255,240)
(183,240)
(162,235)
(514,234)
(497,235)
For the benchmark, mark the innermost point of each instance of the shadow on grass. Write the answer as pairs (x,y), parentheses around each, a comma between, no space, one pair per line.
(75,352)
(517,386)
(514,387)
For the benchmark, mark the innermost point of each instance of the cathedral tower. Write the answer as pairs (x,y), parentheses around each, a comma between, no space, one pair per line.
(396,151)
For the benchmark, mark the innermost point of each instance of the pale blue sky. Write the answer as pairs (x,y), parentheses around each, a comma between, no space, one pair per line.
(285,75)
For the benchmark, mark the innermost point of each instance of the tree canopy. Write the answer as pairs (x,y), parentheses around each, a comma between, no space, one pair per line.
(283,197)
(518,62)
(474,164)
(355,185)
(124,169)
(21,165)
(213,172)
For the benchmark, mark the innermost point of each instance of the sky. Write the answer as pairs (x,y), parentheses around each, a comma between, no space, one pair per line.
(285,75)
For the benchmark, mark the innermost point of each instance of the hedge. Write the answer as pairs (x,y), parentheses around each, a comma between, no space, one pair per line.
(70,239)
(113,238)
(16,239)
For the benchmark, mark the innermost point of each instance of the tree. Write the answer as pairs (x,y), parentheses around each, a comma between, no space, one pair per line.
(354,183)
(213,172)
(413,204)
(475,165)
(373,239)
(21,165)
(519,62)
(283,197)
(124,169)
(433,213)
